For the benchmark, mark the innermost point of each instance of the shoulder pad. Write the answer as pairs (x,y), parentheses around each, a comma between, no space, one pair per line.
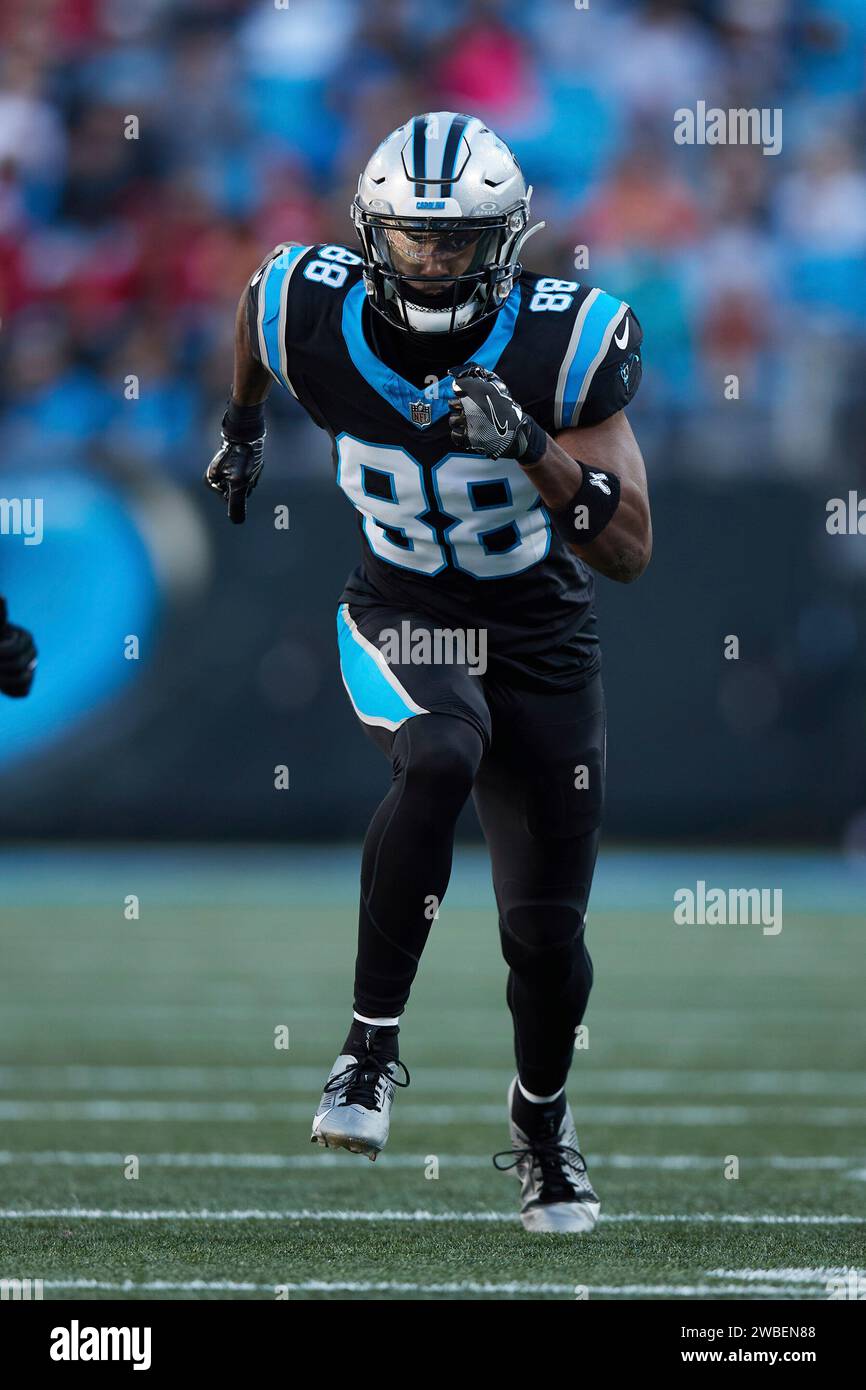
(600,370)
(267,309)
(291,296)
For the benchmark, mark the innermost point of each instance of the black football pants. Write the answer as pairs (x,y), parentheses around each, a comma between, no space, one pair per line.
(535,768)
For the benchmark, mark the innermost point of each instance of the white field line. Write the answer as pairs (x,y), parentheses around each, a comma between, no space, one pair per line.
(249,1112)
(798,1275)
(65,1158)
(280,1080)
(118,1023)
(394,1286)
(306,1214)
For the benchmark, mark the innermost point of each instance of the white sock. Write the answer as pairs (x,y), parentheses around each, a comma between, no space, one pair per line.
(538,1100)
(379,1022)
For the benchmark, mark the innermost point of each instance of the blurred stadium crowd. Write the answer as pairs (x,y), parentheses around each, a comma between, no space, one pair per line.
(123,256)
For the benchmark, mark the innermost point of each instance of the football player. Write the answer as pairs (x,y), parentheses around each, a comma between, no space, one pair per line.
(17,657)
(476,415)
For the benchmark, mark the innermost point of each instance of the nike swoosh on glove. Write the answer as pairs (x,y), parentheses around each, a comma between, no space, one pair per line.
(234,471)
(482,416)
(17,657)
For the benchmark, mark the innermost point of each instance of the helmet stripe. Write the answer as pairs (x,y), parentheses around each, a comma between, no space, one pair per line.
(449,158)
(419,153)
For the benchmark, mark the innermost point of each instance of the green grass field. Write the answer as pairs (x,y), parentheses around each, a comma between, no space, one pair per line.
(154,1039)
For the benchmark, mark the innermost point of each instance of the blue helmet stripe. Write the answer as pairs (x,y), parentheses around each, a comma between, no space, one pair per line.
(419,154)
(449,158)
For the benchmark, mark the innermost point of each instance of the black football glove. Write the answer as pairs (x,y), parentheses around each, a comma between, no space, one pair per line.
(234,471)
(17,657)
(484,419)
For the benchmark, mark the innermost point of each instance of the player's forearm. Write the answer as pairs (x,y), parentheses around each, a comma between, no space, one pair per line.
(591,479)
(251,381)
(622,549)
(235,468)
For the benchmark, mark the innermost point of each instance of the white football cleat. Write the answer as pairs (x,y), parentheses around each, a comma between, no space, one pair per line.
(355,1110)
(556,1194)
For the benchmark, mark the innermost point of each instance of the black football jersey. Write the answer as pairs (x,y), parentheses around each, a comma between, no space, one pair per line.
(458,537)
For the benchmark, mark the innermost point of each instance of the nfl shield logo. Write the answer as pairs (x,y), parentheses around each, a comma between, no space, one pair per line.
(421,413)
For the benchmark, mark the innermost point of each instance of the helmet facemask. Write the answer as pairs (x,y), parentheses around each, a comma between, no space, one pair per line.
(464,267)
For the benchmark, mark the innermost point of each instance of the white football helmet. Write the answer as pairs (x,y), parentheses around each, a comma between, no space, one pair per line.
(445,197)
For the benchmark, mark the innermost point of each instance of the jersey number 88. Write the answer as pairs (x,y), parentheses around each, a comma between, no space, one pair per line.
(498,527)
(331,266)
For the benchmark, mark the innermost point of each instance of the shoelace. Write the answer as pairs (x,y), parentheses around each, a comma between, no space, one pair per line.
(551,1157)
(362,1078)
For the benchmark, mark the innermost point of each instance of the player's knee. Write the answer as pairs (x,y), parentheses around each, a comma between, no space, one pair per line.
(543,927)
(543,940)
(439,753)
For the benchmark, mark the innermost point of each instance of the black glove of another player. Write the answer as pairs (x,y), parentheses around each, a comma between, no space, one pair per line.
(17,657)
(484,419)
(235,467)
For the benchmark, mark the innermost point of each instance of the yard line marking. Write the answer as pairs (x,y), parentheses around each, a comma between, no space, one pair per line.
(67,1158)
(284,1080)
(306,1214)
(818,1276)
(395,1286)
(154,1111)
(745,1219)
(157,1110)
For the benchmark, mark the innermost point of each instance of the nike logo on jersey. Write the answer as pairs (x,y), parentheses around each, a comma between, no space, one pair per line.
(501,430)
(621,342)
